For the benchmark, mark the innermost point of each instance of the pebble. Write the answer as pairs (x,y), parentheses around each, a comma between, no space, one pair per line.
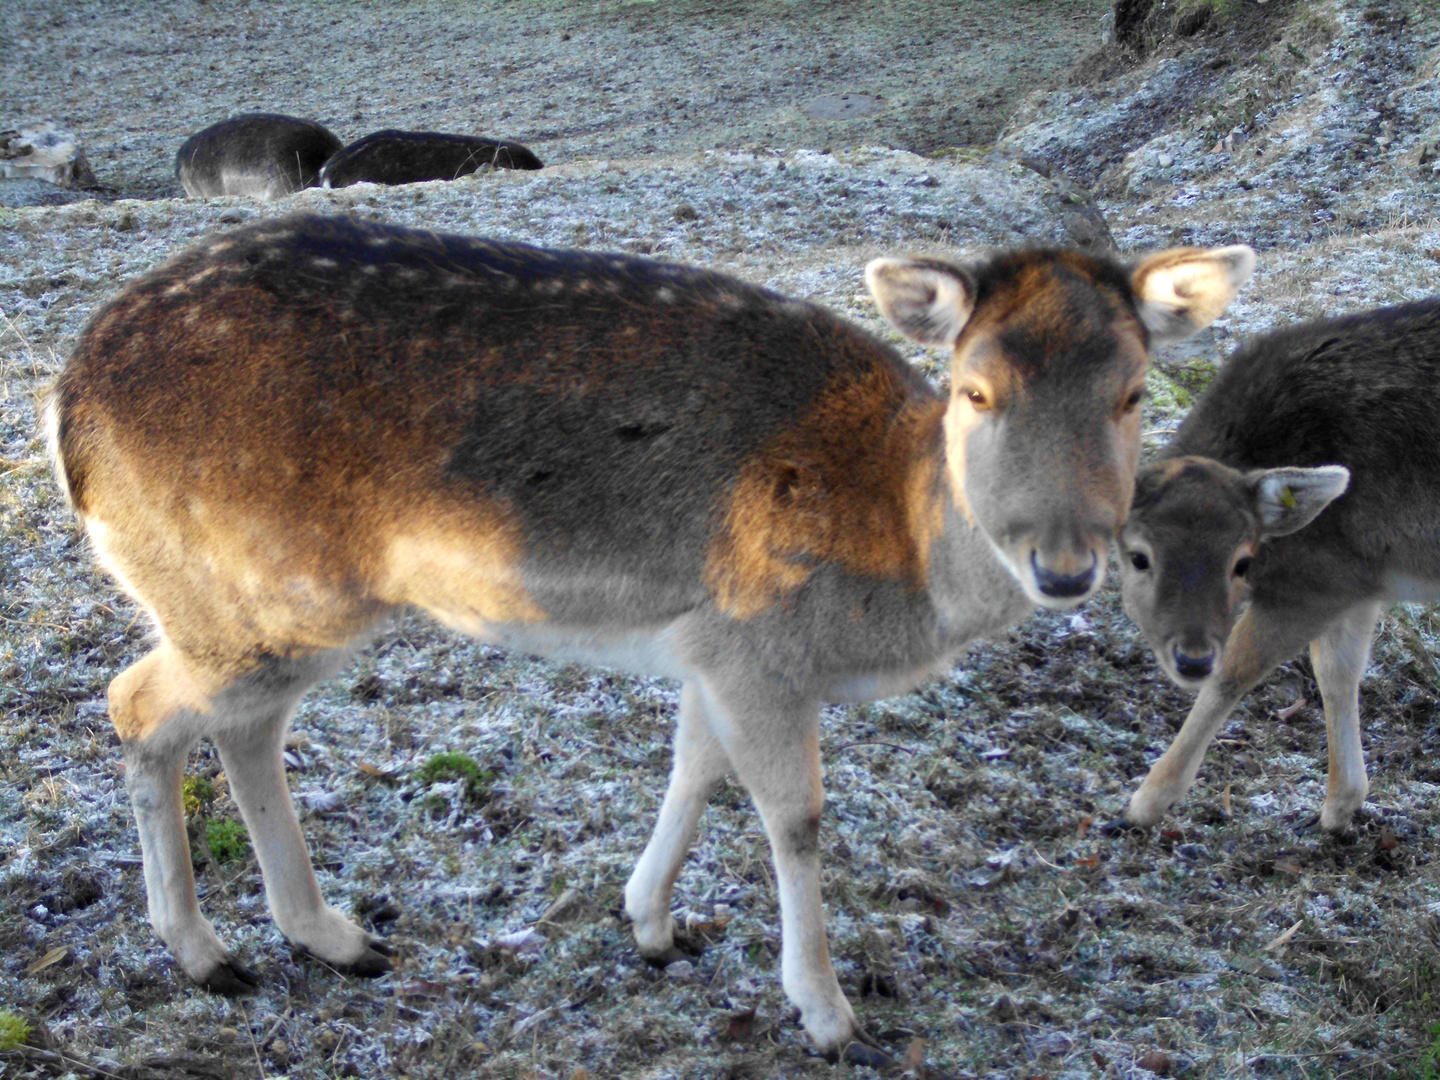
(1165,161)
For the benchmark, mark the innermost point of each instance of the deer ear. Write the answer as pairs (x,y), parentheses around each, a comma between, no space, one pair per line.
(927,300)
(1289,499)
(1180,292)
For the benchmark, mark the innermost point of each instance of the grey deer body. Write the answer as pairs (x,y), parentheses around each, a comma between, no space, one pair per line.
(293,430)
(1300,497)
(263,155)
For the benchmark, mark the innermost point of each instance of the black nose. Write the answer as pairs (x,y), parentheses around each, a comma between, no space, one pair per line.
(1194,667)
(1063,586)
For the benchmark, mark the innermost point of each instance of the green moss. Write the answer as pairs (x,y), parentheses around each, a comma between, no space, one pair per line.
(1175,387)
(447,768)
(228,840)
(13,1030)
(197,794)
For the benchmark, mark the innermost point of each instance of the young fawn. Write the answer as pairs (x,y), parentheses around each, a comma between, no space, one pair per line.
(1229,565)
(294,429)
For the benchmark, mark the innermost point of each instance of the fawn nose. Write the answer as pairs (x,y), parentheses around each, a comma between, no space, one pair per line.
(1063,586)
(1190,666)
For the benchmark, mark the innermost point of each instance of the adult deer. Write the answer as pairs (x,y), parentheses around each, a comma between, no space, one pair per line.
(1229,564)
(294,429)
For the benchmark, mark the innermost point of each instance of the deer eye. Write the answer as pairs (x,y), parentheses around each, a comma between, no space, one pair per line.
(978,398)
(1136,396)
(1242,565)
(1140,561)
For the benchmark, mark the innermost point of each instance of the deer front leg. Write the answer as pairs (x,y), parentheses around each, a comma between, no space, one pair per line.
(1259,641)
(700,763)
(774,746)
(1340,655)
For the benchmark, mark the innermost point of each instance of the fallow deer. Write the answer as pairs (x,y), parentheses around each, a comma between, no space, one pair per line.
(411,157)
(295,429)
(1297,500)
(263,155)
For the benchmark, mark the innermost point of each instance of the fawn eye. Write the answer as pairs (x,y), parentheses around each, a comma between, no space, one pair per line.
(1139,560)
(1242,565)
(978,399)
(1136,396)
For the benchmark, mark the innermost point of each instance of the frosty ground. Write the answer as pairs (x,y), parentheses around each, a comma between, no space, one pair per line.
(979,919)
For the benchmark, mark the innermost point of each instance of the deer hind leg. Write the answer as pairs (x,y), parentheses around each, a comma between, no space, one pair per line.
(700,763)
(160,707)
(1340,655)
(774,746)
(252,751)
(1260,640)
(159,711)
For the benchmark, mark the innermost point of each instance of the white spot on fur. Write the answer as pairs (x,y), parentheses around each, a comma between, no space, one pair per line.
(665,295)
(324,263)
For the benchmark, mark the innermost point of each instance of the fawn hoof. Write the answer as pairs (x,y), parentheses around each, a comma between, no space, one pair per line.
(230,978)
(683,946)
(374,962)
(370,964)
(862,1050)
(1118,827)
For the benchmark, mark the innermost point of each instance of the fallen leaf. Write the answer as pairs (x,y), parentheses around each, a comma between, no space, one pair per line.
(1252,966)
(742,1025)
(51,958)
(1092,862)
(1387,839)
(1225,801)
(1172,834)
(1100,1059)
(423,989)
(1290,867)
(1084,827)
(1156,1061)
(913,1060)
(580,1073)
(1284,937)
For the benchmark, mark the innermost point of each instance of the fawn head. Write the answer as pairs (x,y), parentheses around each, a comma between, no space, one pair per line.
(1188,554)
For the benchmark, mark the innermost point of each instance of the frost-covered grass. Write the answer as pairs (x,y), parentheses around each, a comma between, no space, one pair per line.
(973,901)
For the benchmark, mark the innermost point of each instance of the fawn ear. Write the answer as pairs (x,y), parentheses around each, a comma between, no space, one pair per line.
(927,300)
(1289,499)
(1181,291)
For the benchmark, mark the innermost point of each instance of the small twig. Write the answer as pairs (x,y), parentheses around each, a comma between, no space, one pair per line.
(253,1044)
(1291,709)
(871,742)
